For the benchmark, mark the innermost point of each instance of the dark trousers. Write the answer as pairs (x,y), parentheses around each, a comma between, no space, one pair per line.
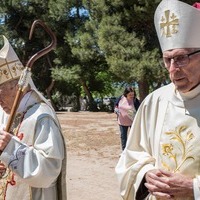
(123,135)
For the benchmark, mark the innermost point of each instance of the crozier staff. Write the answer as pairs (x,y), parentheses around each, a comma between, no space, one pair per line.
(162,155)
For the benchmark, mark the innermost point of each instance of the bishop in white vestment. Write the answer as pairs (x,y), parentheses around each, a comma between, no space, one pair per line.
(162,156)
(33,161)
(168,138)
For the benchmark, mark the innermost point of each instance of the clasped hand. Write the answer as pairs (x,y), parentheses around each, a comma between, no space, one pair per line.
(168,185)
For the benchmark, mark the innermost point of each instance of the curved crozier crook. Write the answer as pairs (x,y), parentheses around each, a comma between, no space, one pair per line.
(47,49)
(28,66)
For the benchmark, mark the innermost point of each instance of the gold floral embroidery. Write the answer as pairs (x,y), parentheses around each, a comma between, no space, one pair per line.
(169,150)
(5,72)
(14,70)
(7,178)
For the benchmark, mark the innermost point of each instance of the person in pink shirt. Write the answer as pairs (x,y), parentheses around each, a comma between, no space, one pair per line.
(125,108)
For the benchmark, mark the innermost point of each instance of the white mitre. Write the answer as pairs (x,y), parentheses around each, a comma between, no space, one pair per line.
(10,65)
(177,25)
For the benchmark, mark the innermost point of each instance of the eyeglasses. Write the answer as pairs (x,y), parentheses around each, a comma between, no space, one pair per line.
(181,60)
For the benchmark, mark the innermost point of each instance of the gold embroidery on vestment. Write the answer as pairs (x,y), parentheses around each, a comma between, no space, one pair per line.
(7,177)
(4,181)
(170,150)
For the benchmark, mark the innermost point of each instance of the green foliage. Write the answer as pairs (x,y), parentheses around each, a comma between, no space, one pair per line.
(128,42)
(66,74)
(99,42)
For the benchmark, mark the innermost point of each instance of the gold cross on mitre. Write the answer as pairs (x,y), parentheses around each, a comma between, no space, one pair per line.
(168,24)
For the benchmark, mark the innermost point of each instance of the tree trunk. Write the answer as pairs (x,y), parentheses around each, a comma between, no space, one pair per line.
(91,104)
(143,89)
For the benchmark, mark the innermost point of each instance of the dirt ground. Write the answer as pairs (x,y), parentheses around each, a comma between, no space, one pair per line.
(93,148)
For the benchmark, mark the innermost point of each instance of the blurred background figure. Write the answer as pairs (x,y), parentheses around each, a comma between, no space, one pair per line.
(125,108)
(84,103)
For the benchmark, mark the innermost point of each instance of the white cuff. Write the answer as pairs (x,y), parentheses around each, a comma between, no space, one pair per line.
(9,150)
(196,188)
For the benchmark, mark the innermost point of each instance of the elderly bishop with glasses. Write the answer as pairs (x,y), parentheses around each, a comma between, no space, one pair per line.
(162,156)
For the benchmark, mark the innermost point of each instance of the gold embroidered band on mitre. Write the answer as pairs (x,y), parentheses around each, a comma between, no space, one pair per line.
(10,70)
(10,65)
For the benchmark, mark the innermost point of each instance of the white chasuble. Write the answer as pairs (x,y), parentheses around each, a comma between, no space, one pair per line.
(34,156)
(165,134)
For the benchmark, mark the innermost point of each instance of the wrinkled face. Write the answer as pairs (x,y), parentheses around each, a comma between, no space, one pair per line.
(7,95)
(185,74)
